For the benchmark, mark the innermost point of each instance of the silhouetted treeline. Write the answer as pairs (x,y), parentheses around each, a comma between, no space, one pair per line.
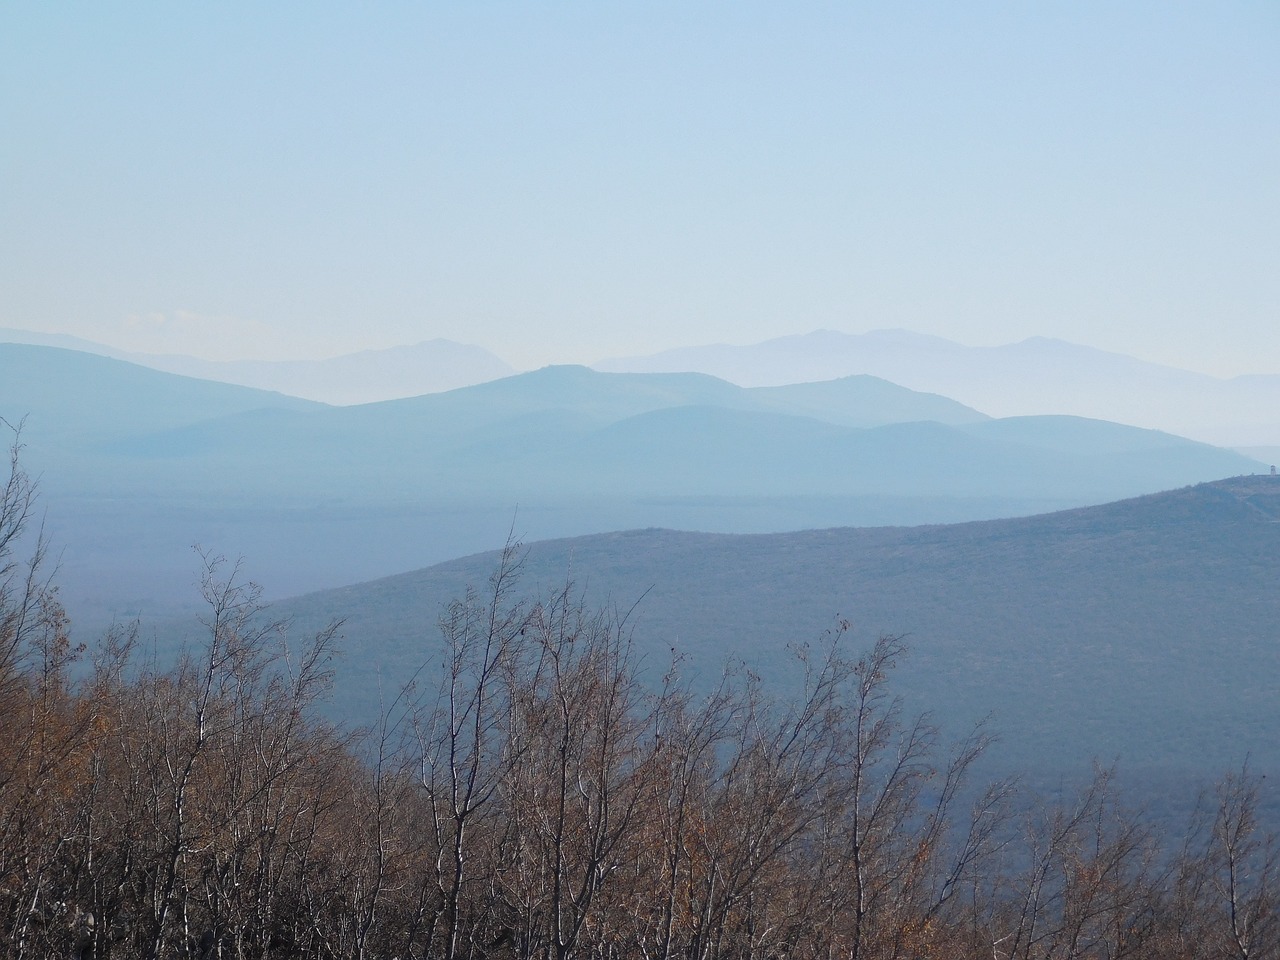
(528,796)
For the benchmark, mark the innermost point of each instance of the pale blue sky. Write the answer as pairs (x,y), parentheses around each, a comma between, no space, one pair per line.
(570,181)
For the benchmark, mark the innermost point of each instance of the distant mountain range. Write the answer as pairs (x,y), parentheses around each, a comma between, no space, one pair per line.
(365,377)
(1143,631)
(137,465)
(1035,376)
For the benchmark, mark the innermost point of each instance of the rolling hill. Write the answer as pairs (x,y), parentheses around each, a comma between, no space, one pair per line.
(1145,631)
(136,466)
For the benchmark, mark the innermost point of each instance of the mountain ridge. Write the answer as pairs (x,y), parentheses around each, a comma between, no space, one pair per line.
(364,376)
(1045,621)
(1037,375)
(137,465)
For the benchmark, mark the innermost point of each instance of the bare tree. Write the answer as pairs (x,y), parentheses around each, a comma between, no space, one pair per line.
(582,728)
(461,754)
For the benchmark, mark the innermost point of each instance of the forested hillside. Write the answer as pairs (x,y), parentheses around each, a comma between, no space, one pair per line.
(528,795)
(1141,631)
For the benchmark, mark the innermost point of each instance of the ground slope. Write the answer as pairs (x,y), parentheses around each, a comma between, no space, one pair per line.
(1145,631)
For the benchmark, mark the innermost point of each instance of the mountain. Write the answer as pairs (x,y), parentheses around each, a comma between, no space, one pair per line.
(1037,376)
(431,366)
(1034,376)
(136,466)
(79,396)
(370,375)
(1142,631)
(569,432)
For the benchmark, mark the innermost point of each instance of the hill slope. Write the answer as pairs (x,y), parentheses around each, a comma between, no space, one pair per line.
(364,377)
(1144,630)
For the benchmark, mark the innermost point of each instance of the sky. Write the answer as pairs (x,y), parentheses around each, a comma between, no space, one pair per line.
(566,182)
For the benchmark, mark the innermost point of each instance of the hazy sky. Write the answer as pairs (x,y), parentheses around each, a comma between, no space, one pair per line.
(569,181)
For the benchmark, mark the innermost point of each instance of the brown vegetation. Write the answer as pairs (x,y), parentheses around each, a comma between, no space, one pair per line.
(530,797)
